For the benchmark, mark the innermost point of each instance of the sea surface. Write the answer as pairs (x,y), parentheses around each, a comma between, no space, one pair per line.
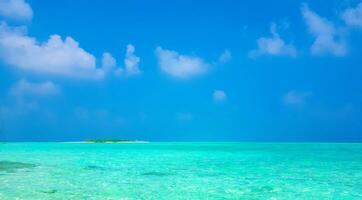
(180,171)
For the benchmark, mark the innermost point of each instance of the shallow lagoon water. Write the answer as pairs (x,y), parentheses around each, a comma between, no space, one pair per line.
(180,171)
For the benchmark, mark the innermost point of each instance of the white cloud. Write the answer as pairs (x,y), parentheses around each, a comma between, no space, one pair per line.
(15,9)
(295,98)
(353,16)
(108,62)
(55,56)
(219,96)
(274,46)
(131,61)
(225,56)
(180,66)
(24,87)
(327,38)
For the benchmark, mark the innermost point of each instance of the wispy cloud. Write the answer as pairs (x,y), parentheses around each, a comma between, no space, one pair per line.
(24,87)
(26,97)
(219,96)
(180,66)
(296,98)
(327,37)
(16,9)
(225,56)
(353,16)
(274,46)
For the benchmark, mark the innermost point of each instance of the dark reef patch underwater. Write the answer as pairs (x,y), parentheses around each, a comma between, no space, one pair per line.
(94,167)
(9,166)
(159,174)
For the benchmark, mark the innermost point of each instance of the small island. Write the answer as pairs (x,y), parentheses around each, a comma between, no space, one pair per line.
(112,141)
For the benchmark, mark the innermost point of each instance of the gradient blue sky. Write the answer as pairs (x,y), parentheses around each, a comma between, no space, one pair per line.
(181,70)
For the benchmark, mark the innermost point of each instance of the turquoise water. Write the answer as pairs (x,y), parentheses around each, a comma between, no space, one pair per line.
(180,171)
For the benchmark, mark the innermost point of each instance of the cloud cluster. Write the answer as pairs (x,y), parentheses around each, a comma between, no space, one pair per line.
(16,9)
(274,46)
(131,63)
(56,56)
(327,38)
(178,65)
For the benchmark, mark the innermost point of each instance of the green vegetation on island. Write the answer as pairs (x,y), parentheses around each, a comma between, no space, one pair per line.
(110,141)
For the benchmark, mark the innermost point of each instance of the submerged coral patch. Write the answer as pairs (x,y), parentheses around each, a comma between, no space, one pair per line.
(10,166)
(49,191)
(160,174)
(94,167)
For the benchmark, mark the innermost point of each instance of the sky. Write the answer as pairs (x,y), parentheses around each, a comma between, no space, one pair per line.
(181,70)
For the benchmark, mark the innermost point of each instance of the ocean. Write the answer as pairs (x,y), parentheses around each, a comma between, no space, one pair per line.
(171,170)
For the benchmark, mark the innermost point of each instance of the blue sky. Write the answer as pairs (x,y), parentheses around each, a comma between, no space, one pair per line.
(181,70)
